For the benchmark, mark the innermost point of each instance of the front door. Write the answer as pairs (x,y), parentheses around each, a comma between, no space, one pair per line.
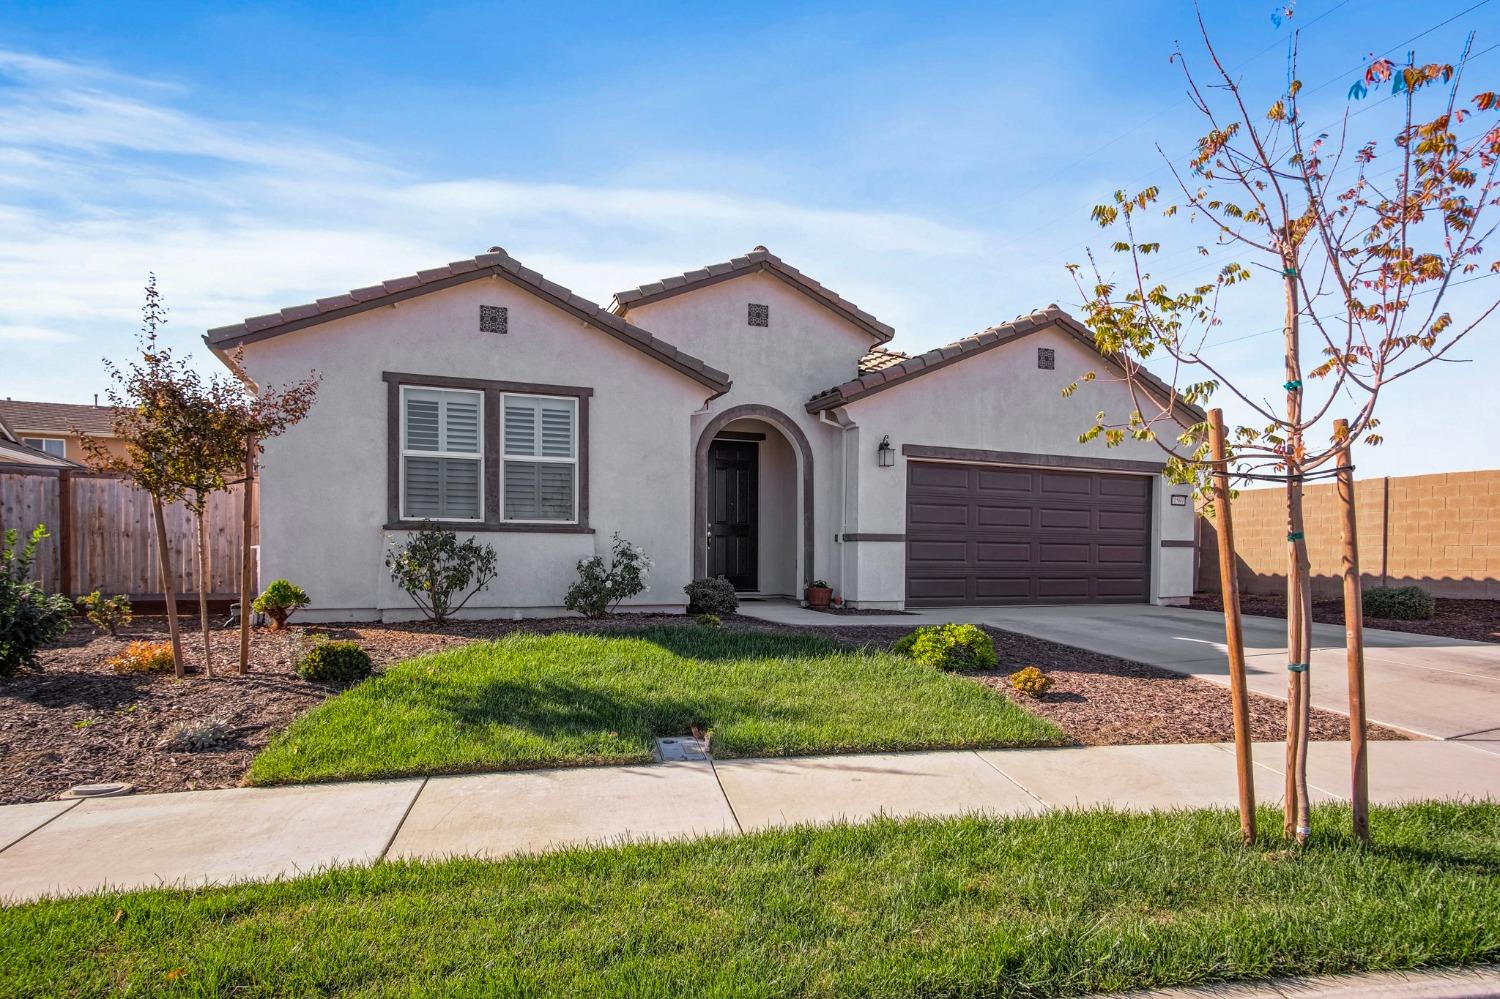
(733,539)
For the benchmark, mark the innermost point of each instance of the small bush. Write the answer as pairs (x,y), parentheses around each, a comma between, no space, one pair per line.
(601,586)
(195,736)
(709,620)
(106,613)
(711,596)
(1031,681)
(335,662)
(949,646)
(280,601)
(143,657)
(435,569)
(30,617)
(1406,603)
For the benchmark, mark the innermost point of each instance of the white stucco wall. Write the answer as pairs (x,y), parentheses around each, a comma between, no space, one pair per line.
(323,498)
(998,401)
(806,348)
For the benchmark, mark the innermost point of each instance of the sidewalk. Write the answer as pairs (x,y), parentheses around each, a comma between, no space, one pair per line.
(199,837)
(1445,983)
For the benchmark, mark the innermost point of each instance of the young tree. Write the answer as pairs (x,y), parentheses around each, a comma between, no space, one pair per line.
(1364,235)
(149,400)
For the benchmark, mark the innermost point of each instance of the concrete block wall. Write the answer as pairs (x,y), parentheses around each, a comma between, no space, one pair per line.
(1438,531)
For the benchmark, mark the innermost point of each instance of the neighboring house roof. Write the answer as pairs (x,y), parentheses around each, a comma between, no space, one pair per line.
(903,371)
(880,358)
(14,452)
(56,418)
(758,260)
(496,263)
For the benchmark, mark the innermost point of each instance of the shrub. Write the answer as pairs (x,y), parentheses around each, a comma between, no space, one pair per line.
(280,601)
(1031,681)
(1408,603)
(335,662)
(709,620)
(106,613)
(434,569)
(601,586)
(949,646)
(195,736)
(30,617)
(711,596)
(143,657)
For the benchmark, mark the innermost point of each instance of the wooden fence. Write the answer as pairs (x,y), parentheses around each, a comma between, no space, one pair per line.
(103,534)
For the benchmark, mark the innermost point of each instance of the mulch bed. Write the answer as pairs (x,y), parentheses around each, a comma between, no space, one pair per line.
(1474,620)
(79,722)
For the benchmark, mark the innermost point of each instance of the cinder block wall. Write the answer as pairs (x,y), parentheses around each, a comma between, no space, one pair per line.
(1438,531)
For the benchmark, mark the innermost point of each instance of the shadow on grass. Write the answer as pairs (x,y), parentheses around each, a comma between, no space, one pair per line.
(721,644)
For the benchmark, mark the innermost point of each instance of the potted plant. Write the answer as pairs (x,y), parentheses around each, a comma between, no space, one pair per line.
(819,593)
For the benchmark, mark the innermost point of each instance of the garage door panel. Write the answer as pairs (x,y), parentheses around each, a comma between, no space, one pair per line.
(939,514)
(925,552)
(1003,516)
(993,535)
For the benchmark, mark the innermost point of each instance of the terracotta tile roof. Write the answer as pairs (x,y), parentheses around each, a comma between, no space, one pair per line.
(903,371)
(880,358)
(757,260)
(496,263)
(55,418)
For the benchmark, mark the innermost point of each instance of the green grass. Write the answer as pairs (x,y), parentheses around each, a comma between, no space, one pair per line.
(534,701)
(1058,905)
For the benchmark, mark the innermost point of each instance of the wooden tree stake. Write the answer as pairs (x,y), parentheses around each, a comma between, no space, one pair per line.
(1354,638)
(168,586)
(247,568)
(1234,637)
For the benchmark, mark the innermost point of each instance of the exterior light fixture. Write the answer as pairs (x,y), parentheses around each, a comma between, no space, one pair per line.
(886,453)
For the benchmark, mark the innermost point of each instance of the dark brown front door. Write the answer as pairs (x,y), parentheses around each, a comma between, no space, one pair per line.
(991,534)
(733,488)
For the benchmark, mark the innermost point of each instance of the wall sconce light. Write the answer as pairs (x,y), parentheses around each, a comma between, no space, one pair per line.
(886,453)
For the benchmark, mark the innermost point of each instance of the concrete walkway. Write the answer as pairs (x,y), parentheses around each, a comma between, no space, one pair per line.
(1443,688)
(1443,983)
(201,837)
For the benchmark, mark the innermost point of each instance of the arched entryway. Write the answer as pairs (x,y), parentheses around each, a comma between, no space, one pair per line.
(753,501)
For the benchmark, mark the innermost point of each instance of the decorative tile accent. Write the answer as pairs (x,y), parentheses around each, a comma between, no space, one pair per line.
(1046,358)
(494,319)
(760,315)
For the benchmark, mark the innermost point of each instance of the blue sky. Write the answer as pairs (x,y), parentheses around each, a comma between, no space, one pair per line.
(934,164)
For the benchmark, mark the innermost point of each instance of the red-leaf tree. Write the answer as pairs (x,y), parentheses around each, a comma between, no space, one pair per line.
(1364,237)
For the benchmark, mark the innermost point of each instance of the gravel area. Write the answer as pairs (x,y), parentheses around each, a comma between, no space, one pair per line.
(79,722)
(1474,620)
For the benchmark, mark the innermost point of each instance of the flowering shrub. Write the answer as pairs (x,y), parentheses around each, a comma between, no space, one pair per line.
(143,657)
(434,569)
(602,585)
(1031,681)
(949,646)
(30,617)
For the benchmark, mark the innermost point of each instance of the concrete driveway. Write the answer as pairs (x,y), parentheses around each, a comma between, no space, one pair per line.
(1444,688)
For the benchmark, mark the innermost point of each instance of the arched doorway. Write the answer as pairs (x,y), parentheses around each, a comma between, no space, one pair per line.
(753,501)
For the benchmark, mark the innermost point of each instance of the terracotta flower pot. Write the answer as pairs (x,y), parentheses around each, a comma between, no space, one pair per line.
(819,596)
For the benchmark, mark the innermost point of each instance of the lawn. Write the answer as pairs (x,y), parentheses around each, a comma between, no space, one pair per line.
(1061,904)
(571,699)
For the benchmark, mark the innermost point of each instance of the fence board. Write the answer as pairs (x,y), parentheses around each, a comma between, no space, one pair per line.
(112,544)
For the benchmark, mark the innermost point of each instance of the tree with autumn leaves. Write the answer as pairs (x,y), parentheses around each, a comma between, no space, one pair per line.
(1363,237)
(185,438)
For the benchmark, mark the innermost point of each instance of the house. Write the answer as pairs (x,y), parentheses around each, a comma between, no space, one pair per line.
(740,420)
(58,428)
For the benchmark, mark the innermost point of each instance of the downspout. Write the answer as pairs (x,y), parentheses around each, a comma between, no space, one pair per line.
(839,423)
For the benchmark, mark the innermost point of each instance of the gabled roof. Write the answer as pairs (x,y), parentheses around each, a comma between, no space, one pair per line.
(15,453)
(880,358)
(758,260)
(902,372)
(56,418)
(496,263)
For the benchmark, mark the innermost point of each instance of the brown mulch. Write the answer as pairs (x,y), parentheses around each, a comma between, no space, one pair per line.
(78,722)
(1474,620)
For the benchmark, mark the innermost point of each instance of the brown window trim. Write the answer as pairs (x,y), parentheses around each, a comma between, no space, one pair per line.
(492,391)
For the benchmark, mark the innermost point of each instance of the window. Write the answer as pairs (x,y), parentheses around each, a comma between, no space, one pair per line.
(540,466)
(54,446)
(442,454)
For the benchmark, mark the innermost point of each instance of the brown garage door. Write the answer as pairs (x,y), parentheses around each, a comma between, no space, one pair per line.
(992,534)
